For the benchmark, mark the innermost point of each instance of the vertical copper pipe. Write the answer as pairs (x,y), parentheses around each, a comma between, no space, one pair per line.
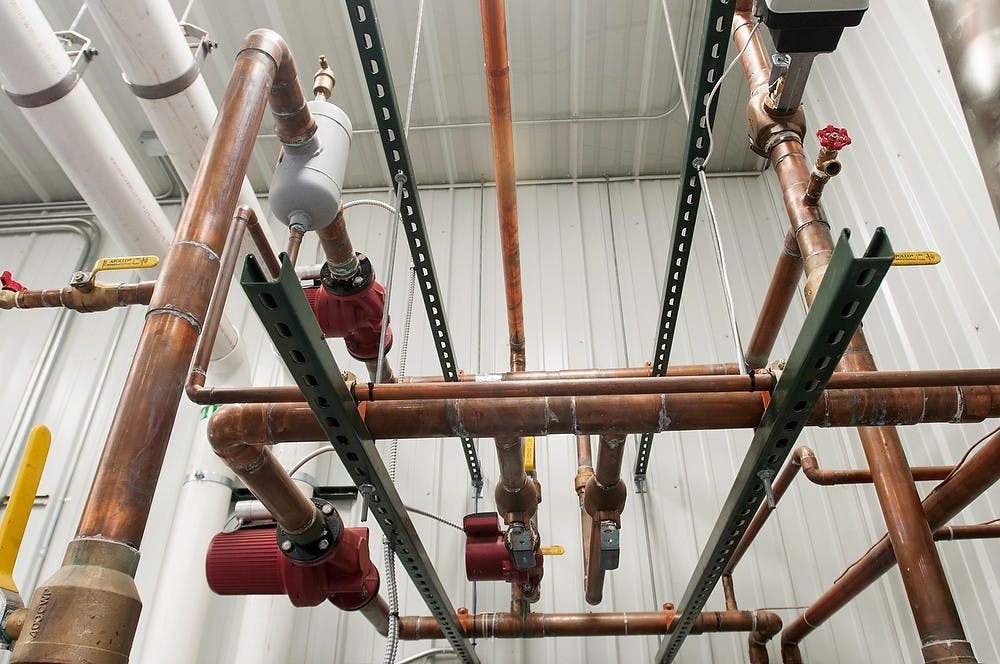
(498,87)
(584,471)
(101,561)
(295,234)
(338,248)
(780,293)
(969,481)
(931,601)
(604,500)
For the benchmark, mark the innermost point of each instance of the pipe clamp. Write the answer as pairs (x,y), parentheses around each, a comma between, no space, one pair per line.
(82,56)
(202,476)
(199,42)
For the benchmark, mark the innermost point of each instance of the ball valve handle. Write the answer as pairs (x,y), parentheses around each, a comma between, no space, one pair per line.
(85,280)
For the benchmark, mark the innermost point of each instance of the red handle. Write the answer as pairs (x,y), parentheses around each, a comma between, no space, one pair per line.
(833,138)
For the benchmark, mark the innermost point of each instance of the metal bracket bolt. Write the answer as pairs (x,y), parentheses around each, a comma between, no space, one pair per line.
(366,491)
(766,477)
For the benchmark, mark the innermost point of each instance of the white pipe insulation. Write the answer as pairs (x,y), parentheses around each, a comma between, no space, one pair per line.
(149,46)
(77,133)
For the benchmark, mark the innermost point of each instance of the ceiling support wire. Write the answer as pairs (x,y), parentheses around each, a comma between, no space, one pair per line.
(388,550)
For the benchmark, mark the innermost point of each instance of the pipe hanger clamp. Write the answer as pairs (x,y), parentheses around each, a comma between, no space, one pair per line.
(82,56)
(201,45)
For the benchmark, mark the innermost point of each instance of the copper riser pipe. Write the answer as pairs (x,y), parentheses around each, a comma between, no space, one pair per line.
(584,471)
(604,501)
(101,560)
(969,482)
(780,293)
(931,600)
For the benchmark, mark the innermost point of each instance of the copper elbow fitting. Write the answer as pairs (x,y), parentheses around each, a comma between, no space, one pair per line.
(605,503)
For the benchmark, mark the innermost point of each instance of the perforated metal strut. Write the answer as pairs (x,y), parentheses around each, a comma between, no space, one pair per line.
(843,298)
(375,64)
(285,313)
(718,21)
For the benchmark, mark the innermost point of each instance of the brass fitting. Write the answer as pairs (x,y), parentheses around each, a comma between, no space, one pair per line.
(605,503)
(583,475)
(7,299)
(323,79)
(87,611)
(766,127)
(518,506)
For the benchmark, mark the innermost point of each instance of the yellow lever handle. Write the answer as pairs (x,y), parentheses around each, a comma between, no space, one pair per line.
(125,263)
(529,454)
(916,258)
(22,497)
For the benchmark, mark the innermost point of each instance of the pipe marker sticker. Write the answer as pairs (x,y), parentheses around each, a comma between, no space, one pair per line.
(916,258)
(126,263)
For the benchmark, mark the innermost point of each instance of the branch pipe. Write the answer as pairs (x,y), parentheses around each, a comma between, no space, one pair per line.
(584,471)
(604,500)
(780,293)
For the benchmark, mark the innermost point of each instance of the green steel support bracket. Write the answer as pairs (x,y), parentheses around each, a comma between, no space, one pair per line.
(844,296)
(282,308)
(718,22)
(375,64)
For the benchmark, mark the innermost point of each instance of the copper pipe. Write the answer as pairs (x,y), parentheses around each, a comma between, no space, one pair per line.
(498,87)
(765,624)
(377,613)
(604,500)
(730,368)
(195,387)
(264,250)
(931,601)
(780,292)
(729,592)
(989,530)
(295,234)
(803,458)
(99,297)
(484,418)
(388,375)
(950,497)
(584,471)
(338,248)
(104,553)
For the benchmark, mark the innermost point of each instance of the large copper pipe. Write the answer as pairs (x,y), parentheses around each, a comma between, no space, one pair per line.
(101,561)
(498,87)
(803,458)
(780,293)
(338,248)
(969,481)
(483,418)
(931,601)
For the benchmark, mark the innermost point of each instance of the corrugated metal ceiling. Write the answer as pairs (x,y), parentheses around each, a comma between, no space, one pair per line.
(571,64)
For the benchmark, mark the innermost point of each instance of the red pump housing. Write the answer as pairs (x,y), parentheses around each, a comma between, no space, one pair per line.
(355,318)
(249,562)
(487,557)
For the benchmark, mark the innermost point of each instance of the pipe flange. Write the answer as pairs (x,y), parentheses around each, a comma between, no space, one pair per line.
(317,550)
(352,285)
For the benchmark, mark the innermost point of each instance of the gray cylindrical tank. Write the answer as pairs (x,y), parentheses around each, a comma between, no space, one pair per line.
(306,186)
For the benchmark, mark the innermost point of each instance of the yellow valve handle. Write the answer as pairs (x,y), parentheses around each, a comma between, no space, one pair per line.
(529,454)
(553,550)
(22,497)
(916,258)
(125,263)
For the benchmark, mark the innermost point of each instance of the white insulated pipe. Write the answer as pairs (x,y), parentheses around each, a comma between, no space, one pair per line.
(149,46)
(77,133)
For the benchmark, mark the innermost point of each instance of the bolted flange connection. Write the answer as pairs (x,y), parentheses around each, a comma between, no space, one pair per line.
(314,551)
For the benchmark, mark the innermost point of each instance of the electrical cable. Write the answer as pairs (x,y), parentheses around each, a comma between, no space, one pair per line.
(368,201)
(715,89)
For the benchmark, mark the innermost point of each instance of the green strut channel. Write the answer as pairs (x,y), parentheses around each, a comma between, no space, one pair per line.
(375,65)
(718,21)
(282,308)
(846,292)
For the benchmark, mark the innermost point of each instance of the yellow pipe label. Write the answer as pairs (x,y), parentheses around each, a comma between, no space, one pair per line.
(22,498)
(916,258)
(553,550)
(125,263)
(529,454)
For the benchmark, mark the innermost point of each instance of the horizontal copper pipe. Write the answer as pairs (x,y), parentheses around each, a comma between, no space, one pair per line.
(100,297)
(979,472)
(989,530)
(803,458)
(484,418)
(764,624)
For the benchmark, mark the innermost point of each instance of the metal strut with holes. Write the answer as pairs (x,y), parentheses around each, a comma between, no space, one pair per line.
(375,64)
(285,313)
(846,291)
(718,21)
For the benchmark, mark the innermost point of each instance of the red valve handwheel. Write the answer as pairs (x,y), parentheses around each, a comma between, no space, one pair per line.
(833,138)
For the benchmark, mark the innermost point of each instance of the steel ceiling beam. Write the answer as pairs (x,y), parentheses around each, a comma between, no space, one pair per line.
(375,65)
(285,313)
(843,298)
(718,21)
